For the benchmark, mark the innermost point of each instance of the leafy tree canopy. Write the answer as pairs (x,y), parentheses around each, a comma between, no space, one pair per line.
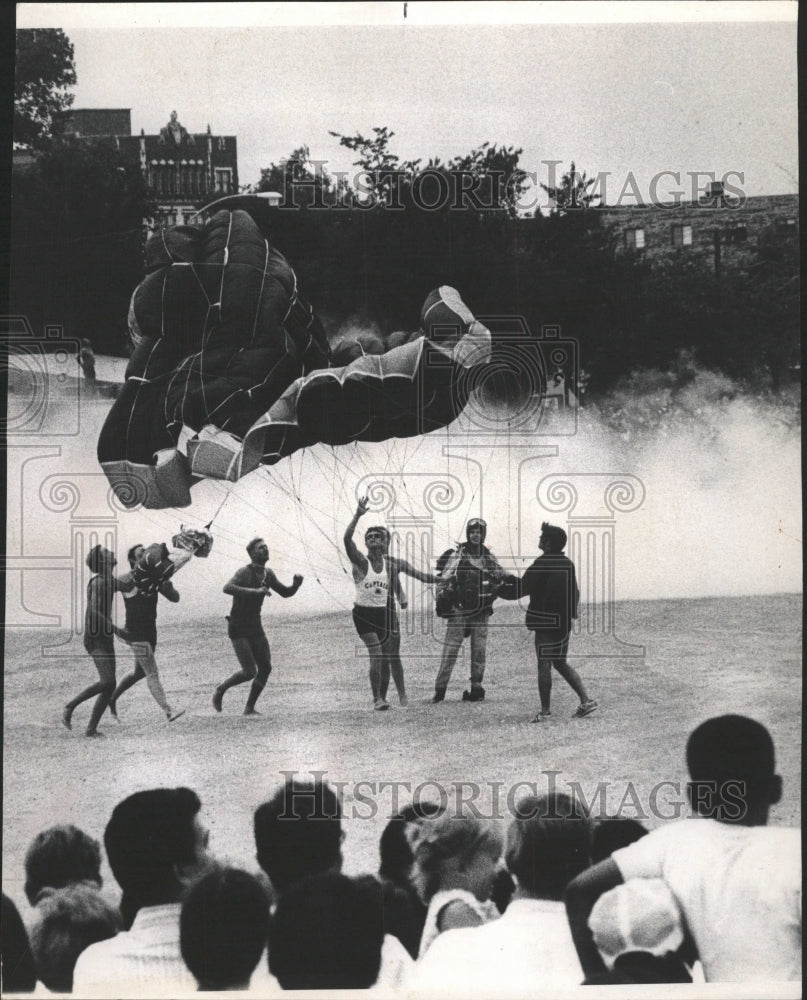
(43,72)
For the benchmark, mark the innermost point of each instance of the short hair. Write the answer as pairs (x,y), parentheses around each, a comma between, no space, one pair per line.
(326,934)
(59,856)
(448,836)
(298,832)
(396,855)
(729,754)
(93,560)
(148,834)
(612,833)
(130,555)
(223,928)
(68,921)
(377,528)
(554,535)
(251,546)
(548,844)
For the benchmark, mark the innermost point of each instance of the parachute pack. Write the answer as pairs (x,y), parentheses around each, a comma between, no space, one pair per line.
(232,368)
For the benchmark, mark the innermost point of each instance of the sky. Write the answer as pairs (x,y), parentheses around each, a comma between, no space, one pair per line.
(629,99)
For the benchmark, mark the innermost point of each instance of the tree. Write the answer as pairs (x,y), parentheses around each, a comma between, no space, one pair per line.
(301,182)
(572,194)
(77,232)
(43,71)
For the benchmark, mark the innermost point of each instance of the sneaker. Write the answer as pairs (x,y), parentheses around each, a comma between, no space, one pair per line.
(584,709)
(541,716)
(403,701)
(380,705)
(477,693)
(439,695)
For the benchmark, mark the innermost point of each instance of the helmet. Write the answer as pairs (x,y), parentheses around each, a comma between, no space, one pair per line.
(476,522)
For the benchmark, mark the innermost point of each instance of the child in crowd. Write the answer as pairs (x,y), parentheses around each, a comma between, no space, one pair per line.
(456,859)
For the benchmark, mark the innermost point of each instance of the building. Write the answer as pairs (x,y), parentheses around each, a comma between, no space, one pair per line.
(722,232)
(183,170)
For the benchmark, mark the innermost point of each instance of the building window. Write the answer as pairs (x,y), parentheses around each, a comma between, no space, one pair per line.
(682,236)
(737,233)
(223,177)
(787,227)
(634,239)
(222,142)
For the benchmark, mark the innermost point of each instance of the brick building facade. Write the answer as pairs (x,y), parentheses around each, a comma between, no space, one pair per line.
(721,232)
(183,170)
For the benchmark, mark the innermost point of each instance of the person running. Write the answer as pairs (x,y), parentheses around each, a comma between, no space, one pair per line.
(141,634)
(470,580)
(99,632)
(376,577)
(248,588)
(551,584)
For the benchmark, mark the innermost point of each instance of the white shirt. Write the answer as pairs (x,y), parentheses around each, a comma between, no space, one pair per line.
(143,961)
(527,950)
(739,888)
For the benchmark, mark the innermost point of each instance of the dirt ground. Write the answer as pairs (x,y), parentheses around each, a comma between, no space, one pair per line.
(702,658)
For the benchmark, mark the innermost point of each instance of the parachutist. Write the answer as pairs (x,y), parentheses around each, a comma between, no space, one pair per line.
(377,580)
(470,577)
(248,589)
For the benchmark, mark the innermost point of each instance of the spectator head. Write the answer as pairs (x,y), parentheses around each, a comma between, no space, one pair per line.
(326,934)
(641,915)
(611,834)
(553,539)
(86,342)
(156,845)
(59,856)
(454,851)
(68,921)
(395,850)
(732,771)
(17,970)
(223,928)
(298,832)
(548,844)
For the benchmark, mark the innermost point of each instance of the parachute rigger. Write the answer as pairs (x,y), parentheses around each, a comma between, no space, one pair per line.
(165,484)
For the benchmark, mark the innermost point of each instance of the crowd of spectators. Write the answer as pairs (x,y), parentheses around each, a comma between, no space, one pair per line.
(550,900)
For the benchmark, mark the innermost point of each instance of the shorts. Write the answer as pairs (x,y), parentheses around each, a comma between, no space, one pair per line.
(149,637)
(244,630)
(100,645)
(382,621)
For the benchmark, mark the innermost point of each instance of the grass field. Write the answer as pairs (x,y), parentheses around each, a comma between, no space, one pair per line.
(702,658)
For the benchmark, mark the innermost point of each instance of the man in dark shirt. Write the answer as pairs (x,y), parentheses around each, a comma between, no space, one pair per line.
(248,588)
(141,634)
(551,584)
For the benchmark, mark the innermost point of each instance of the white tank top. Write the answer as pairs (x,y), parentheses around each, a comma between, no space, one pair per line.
(373,590)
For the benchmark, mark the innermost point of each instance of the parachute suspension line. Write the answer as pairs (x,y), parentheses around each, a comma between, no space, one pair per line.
(260,293)
(209,524)
(140,384)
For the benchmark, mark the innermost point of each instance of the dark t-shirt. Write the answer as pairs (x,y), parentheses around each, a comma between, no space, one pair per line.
(245,614)
(551,584)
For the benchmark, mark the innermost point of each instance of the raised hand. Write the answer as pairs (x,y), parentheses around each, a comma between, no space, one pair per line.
(297,580)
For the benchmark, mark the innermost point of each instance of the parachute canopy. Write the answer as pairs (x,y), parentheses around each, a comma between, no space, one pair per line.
(232,368)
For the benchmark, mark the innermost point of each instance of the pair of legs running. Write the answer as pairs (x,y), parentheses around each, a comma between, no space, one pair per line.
(551,653)
(385,662)
(145,666)
(255,659)
(104,659)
